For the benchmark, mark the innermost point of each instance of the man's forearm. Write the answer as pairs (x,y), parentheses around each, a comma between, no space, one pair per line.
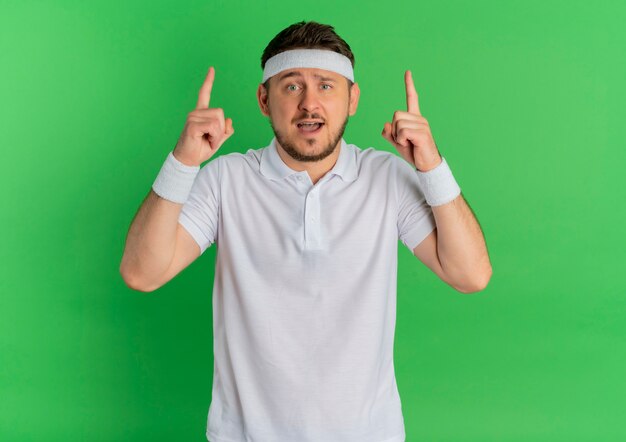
(461,246)
(151,240)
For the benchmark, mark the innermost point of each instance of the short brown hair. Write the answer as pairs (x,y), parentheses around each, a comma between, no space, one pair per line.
(309,35)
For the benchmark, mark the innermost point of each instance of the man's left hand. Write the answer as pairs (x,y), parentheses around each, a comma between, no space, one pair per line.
(409,132)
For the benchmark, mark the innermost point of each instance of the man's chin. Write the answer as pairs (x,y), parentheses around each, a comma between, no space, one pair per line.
(313,148)
(307,149)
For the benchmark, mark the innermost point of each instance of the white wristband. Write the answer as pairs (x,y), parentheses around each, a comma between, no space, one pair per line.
(174,180)
(438,184)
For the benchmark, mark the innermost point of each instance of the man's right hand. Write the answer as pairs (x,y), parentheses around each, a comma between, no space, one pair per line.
(205,129)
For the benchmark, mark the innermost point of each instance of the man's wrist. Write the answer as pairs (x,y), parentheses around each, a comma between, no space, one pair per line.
(182,161)
(438,184)
(428,168)
(175,180)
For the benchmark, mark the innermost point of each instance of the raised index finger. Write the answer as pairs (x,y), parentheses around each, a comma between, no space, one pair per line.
(204,96)
(412,105)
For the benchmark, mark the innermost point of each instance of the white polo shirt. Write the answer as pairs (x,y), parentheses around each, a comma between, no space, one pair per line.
(304,297)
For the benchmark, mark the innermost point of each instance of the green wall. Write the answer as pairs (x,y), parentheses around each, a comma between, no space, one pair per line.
(525,99)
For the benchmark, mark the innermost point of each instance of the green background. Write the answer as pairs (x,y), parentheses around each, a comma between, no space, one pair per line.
(525,99)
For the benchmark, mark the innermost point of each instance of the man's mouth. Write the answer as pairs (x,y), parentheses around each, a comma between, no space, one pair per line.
(309,127)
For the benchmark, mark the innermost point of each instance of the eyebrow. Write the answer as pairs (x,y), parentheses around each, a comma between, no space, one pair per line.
(299,74)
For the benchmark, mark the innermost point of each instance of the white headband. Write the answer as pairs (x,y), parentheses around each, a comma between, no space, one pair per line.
(308,58)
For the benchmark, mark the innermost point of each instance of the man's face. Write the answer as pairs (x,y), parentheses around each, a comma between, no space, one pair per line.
(312,95)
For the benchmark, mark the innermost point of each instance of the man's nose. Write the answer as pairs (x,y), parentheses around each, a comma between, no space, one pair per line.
(309,100)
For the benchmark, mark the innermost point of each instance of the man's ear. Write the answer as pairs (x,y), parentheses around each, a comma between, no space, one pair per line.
(355,92)
(262,96)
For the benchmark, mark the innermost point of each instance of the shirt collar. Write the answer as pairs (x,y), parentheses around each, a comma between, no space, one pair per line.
(272,165)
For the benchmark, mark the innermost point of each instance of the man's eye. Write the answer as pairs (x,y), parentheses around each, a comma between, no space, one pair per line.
(292,87)
(329,86)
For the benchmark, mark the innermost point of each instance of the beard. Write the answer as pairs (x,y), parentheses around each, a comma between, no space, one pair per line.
(291,149)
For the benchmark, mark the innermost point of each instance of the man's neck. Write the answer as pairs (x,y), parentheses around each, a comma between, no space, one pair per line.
(315,169)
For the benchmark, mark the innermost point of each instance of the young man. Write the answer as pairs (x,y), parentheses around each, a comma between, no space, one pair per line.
(307,229)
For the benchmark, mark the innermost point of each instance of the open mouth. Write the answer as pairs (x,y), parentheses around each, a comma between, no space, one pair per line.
(309,128)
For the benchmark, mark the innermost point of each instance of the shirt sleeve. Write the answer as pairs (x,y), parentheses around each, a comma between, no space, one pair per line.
(200,213)
(415,216)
